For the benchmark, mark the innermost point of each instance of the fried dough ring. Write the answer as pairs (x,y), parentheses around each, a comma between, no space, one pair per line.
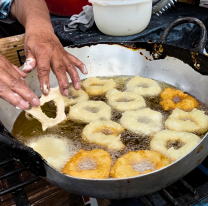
(159,143)
(126,165)
(100,157)
(55,149)
(87,111)
(75,96)
(145,121)
(186,102)
(125,101)
(194,121)
(38,114)
(143,86)
(106,133)
(95,86)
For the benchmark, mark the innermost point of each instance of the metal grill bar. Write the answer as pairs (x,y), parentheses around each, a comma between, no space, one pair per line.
(19,186)
(145,201)
(9,174)
(189,188)
(169,197)
(3,163)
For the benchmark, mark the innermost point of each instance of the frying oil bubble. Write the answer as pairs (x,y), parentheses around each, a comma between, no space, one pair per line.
(25,130)
(142,166)
(87,164)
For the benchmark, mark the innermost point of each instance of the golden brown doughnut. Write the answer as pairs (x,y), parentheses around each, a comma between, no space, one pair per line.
(138,163)
(94,164)
(173,98)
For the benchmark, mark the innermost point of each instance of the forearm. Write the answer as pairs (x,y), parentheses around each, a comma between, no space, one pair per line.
(33,15)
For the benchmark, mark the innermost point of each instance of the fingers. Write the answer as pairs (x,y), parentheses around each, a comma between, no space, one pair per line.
(60,72)
(43,68)
(6,67)
(22,74)
(11,97)
(77,63)
(19,86)
(70,68)
(30,63)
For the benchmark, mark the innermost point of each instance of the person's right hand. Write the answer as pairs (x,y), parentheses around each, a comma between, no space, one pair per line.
(13,87)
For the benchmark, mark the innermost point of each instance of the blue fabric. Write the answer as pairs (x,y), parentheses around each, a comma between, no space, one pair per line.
(5,6)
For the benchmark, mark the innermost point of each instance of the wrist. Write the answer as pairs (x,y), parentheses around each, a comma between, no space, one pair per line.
(37,25)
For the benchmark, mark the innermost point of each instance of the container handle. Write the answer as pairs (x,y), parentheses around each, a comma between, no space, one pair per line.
(203,33)
(29,158)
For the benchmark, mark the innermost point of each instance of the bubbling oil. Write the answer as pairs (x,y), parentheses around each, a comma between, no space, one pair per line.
(25,129)
(142,166)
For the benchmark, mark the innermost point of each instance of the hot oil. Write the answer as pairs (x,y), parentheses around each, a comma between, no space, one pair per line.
(24,129)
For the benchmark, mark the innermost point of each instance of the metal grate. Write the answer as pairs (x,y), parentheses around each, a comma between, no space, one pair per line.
(11,176)
(191,190)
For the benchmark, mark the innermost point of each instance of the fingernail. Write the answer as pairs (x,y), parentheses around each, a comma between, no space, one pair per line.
(23,105)
(66,92)
(36,101)
(77,85)
(84,69)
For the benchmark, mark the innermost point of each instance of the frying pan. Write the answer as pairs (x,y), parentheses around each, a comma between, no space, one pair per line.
(183,68)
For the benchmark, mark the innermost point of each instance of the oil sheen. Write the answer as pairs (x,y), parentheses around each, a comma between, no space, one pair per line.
(25,129)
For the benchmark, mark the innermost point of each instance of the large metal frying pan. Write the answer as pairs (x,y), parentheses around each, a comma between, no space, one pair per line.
(180,67)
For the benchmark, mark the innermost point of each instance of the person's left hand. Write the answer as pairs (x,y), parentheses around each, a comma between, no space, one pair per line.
(44,50)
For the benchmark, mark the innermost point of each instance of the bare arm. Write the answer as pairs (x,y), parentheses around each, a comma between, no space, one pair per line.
(43,48)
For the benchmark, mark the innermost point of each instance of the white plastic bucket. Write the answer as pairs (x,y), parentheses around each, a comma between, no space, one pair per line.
(122,18)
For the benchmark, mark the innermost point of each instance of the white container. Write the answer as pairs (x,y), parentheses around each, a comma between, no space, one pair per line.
(122,17)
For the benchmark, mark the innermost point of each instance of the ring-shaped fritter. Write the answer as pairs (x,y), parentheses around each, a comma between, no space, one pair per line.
(87,111)
(125,101)
(145,121)
(105,133)
(75,96)
(143,86)
(138,163)
(55,149)
(173,98)
(94,164)
(194,121)
(95,86)
(38,114)
(160,140)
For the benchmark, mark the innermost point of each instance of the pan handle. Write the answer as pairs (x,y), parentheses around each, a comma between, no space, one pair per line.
(29,158)
(203,33)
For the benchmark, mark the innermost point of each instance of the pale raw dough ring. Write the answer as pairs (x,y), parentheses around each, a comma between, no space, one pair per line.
(145,121)
(105,133)
(144,86)
(95,86)
(87,111)
(103,161)
(125,101)
(126,165)
(194,121)
(159,143)
(37,113)
(79,95)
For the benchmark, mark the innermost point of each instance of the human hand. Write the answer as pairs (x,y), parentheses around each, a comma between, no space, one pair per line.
(43,48)
(13,87)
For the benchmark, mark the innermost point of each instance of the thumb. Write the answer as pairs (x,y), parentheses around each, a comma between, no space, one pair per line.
(29,64)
